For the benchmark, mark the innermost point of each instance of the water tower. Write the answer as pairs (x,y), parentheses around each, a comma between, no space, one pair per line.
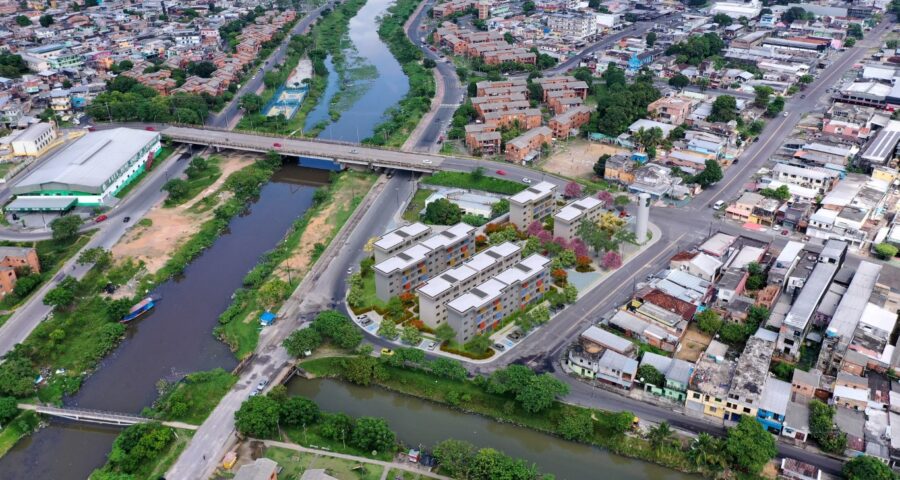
(643,217)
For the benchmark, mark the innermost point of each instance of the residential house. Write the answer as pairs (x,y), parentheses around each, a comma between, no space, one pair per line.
(260,469)
(671,110)
(527,146)
(744,396)
(796,420)
(709,383)
(620,168)
(819,179)
(16,261)
(742,209)
(483,138)
(773,405)
(805,385)
(677,375)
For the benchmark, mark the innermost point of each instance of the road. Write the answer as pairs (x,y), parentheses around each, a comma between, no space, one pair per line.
(147,194)
(231,113)
(639,29)
(436,121)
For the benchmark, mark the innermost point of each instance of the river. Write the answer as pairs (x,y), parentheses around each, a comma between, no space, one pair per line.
(173,340)
(418,422)
(379,92)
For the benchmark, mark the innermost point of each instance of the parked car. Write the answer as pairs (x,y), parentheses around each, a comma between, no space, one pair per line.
(501,172)
(499,347)
(387,352)
(785,232)
(100,218)
(261,385)
(432,345)
(126,219)
(526,180)
(719,205)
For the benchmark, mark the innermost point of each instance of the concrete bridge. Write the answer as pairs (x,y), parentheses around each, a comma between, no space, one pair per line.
(345,154)
(97,416)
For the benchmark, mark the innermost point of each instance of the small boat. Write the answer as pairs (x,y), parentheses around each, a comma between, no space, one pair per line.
(139,309)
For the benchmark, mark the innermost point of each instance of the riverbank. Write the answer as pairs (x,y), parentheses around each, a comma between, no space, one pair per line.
(608,430)
(404,118)
(272,280)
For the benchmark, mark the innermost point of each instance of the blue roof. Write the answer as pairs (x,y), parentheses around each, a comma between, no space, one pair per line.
(267,317)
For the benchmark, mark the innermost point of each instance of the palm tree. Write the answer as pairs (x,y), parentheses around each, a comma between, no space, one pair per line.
(660,436)
(706,453)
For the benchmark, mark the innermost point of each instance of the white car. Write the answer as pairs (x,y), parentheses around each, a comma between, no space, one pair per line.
(526,180)
(785,114)
(426,161)
(719,205)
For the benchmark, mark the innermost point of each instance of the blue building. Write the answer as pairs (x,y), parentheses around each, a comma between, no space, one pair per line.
(639,60)
(773,404)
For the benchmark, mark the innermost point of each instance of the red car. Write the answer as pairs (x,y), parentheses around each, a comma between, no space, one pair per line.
(92,129)
(276,145)
(150,129)
(100,218)
(501,172)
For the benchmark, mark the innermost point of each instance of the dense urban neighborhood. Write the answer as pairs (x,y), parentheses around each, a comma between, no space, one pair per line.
(469,239)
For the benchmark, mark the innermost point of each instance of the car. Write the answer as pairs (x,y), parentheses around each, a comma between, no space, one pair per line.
(350,271)
(100,218)
(354,151)
(427,161)
(785,114)
(126,219)
(387,352)
(499,347)
(366,322)
(785,232)
(432,345)
(735,162)
(150,129)
(500,172)
(803,96)
(719,205)
(91,129)
(254,393)
(261,385)
(276,145)
(526,180)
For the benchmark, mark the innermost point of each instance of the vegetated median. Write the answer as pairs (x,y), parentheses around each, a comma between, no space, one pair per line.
(404,118)
(271,281)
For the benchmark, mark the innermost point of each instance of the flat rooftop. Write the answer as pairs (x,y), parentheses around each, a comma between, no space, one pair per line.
(752,369)
(577,208)
(396,237)
(534,193)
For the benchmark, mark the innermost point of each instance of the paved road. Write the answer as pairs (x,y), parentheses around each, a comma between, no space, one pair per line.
(147,194)
(639,29)
(454,94)
(231,113)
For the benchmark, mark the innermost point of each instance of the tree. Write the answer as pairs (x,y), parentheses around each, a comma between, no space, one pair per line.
(46,20)
(806,79)
(570,294)
(711,174)
(373,434)
(201,69)
(500,208)
(538,315)
(792,14)
(442,212)
(403,356)
(455,456)
(258,417)
(706,453)
(611,260)
(540,392)
(388,329)
(708,321)
(479,344)
(272,292)
(600,166)
(865,467)
(892,44)
(572,190)
(177,189)
(679,81)
(449,369)
(649,375)
(337,328)
(138,444)
(775,106)
(509,381)
(17,376)
(299,411)
(855,30)
(428,63)
(411,336)
(22,21)
(444,332)
(661,437)
(763,93)
(724,109)
(9,408)
(251,103)
(578,426)
(850,42)
(722,20)
(749,446)
(823,430)
(65,228)
(63,295)
(301,341)
(651,39)
(528,7)
(782,193)
(362,370)
(99,256)
(489,464)
(885,251)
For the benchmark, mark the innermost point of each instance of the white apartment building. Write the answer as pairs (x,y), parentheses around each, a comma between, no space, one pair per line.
(569,218)
(33,140)
(434,294)
(483,308)
(573,25)
(399,239)
(533,203)
(820,179)
(414,266)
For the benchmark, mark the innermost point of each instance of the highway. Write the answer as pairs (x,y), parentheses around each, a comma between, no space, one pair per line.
(231,113)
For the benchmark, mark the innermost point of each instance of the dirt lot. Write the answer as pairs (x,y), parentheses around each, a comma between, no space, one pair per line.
(693,344)
(577,159)
(154,243)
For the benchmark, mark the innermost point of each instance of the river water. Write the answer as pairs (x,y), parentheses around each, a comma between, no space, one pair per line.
(418,422)
(173,340)
(381,91)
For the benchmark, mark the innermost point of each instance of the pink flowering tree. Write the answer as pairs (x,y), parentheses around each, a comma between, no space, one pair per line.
(580,249)
(572,190)
(611,260)
(607,198)
(545,236)
(563,244)
(535,228)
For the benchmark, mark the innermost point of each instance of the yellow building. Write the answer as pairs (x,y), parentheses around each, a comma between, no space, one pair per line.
(885,174)
(708,387)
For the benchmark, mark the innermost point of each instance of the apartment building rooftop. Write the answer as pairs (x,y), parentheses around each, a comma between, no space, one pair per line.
(395,237)
(478,263)
(854,301)
(805,304)
(404,259)
(449,236)
(577,208)
(524,270)
(533,193)
(492,288)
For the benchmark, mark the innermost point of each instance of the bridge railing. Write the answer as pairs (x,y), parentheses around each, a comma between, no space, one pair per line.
(98,414)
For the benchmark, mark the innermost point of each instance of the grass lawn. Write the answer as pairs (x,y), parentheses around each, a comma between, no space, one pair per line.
(370,297)
(467,180)
(5,167)
(313,439)
(192,399)
(416,205)
(17,428)
(295,463)
(164,153)
(4,318)
(397,473)
(199,183)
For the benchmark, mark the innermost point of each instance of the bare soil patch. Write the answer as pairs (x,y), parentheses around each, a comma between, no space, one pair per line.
(577,158)
(693,344)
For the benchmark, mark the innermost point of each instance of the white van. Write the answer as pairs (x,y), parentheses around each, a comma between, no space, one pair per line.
(719,205)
